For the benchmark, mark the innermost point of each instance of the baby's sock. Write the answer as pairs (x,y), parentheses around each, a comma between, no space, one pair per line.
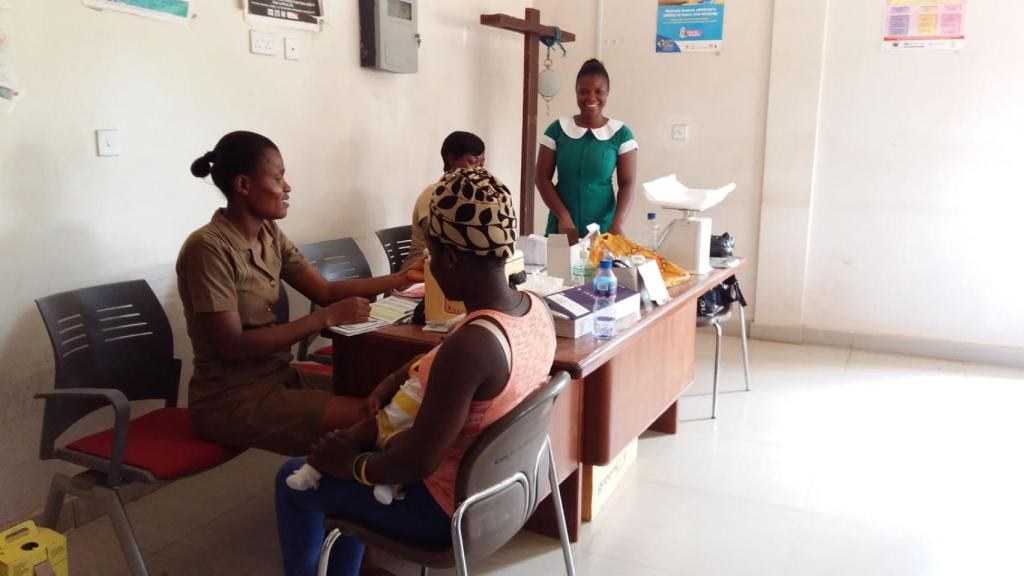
(304,478)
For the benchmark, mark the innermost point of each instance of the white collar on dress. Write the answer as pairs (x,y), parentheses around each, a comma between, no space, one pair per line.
(576,132)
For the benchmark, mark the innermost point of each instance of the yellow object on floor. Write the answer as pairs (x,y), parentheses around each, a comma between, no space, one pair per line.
(26,550)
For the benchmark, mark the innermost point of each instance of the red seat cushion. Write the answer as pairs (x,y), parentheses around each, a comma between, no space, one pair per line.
(313,367)
(162,442)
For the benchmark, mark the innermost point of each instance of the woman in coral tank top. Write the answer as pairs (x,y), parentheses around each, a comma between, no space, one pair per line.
(494,359)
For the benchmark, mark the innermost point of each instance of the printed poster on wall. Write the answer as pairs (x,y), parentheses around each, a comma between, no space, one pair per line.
(690,25)
(8,80)
(935,24)
(167,10)
(301,14)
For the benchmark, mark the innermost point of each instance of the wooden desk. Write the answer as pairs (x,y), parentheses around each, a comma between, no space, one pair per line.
(620,387)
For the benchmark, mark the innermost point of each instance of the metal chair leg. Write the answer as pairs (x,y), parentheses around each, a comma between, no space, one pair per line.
(743,343)
(424,571)
(556,498)
(54,502)
(125,534)
(89,484)
(325,551)
(718,354)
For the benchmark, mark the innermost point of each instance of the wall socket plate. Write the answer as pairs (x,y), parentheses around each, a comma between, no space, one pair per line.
(680,132)
(108,143)
(264,43)
(292,49)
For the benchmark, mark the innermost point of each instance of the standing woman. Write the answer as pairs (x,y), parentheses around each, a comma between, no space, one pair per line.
(587,149)
(244,391)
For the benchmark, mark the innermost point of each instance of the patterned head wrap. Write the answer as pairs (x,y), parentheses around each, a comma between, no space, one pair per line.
(472,211)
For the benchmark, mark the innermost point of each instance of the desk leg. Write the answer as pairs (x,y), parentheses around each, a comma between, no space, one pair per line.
(668,420)
(543,520)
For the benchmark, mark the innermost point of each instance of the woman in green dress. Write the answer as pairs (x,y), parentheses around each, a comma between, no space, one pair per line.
(587,149)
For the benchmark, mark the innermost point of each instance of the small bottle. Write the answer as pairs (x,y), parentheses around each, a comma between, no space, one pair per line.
(652,232)
(605,288)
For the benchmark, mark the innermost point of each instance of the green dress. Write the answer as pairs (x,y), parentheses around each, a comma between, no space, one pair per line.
(585,159)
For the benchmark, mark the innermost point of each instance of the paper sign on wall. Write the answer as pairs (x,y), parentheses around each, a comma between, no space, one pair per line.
(9,92)
(690,25)
(915,24)
(301,14)
(167,10)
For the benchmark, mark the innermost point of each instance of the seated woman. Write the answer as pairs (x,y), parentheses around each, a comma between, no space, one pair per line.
(494,359)
(244,391)
(459,150)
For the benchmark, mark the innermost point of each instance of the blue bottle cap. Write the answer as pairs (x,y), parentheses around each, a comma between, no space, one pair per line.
(606,264)
(652,215)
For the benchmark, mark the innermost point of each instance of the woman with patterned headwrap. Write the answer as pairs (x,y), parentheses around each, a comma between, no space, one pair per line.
(493,360)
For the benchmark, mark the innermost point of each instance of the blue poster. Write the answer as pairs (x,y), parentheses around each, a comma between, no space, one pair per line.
(690,25)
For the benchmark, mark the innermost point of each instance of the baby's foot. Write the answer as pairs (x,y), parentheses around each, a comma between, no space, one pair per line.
(304,478)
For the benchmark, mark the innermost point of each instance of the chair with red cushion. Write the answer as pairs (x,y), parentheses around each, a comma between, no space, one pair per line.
(338,259)
(112,345)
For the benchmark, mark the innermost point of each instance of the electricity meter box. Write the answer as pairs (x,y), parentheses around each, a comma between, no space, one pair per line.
(26,550)
(389,37)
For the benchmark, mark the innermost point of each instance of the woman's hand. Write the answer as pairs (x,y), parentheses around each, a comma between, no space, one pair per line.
(347,311)
(334,454)
(615,228)
(567,227)
(414,273)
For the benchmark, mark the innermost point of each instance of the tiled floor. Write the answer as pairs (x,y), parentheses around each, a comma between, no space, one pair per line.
(837,463)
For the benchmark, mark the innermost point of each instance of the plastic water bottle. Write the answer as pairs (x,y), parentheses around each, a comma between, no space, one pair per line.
(605,287)
(652,232)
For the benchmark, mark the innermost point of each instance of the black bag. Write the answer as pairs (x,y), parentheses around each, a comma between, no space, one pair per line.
(720,297)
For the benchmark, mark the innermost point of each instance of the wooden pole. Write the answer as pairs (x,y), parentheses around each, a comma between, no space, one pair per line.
(528,166)
(532,31)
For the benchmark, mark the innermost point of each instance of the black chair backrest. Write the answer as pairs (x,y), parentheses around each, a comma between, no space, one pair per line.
(109,336)
(281,311)
(396,241)
(512,445)
(339,259)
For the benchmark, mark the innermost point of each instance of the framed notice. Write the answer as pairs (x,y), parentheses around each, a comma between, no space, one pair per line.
(916,24)
(301,14)
(690,25)
(167,10)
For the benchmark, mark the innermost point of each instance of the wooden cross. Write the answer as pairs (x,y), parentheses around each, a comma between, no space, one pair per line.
(532,30)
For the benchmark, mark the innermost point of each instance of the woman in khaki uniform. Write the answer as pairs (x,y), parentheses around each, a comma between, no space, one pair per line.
(244,391)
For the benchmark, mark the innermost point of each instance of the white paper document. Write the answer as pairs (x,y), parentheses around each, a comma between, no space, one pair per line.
(390,310)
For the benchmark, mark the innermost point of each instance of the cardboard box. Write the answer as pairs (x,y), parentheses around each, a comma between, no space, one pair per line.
(599,482)
(26,550)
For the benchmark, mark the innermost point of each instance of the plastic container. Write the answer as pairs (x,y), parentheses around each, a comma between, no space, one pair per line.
(605,288)
(652,233)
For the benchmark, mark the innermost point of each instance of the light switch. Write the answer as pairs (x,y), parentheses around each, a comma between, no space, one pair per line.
(264,43)
(680,132)
(108,143)
(292,49)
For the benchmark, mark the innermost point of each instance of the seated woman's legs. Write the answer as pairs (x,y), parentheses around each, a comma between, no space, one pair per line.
(301,514)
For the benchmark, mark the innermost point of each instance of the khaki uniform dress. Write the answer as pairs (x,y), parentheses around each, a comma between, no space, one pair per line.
(262,403)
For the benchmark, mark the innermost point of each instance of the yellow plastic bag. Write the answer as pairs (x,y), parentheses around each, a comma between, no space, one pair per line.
(622,248)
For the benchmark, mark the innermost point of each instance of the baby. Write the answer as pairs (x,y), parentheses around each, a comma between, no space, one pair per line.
(376,432)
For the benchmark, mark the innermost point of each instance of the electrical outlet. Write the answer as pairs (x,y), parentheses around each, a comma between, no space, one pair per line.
(108,143)
(292,49)
(680,132)
(264,43)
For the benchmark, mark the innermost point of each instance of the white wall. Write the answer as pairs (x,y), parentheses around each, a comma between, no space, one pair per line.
(358,145)
(722,97)
(917,209)
(914,213)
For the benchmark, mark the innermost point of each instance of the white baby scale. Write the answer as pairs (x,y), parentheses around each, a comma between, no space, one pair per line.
(687,239)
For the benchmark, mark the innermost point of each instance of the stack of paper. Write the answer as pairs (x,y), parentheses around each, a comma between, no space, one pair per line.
(390,310)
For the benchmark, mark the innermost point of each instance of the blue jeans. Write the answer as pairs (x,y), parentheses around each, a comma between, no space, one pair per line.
(417,519)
